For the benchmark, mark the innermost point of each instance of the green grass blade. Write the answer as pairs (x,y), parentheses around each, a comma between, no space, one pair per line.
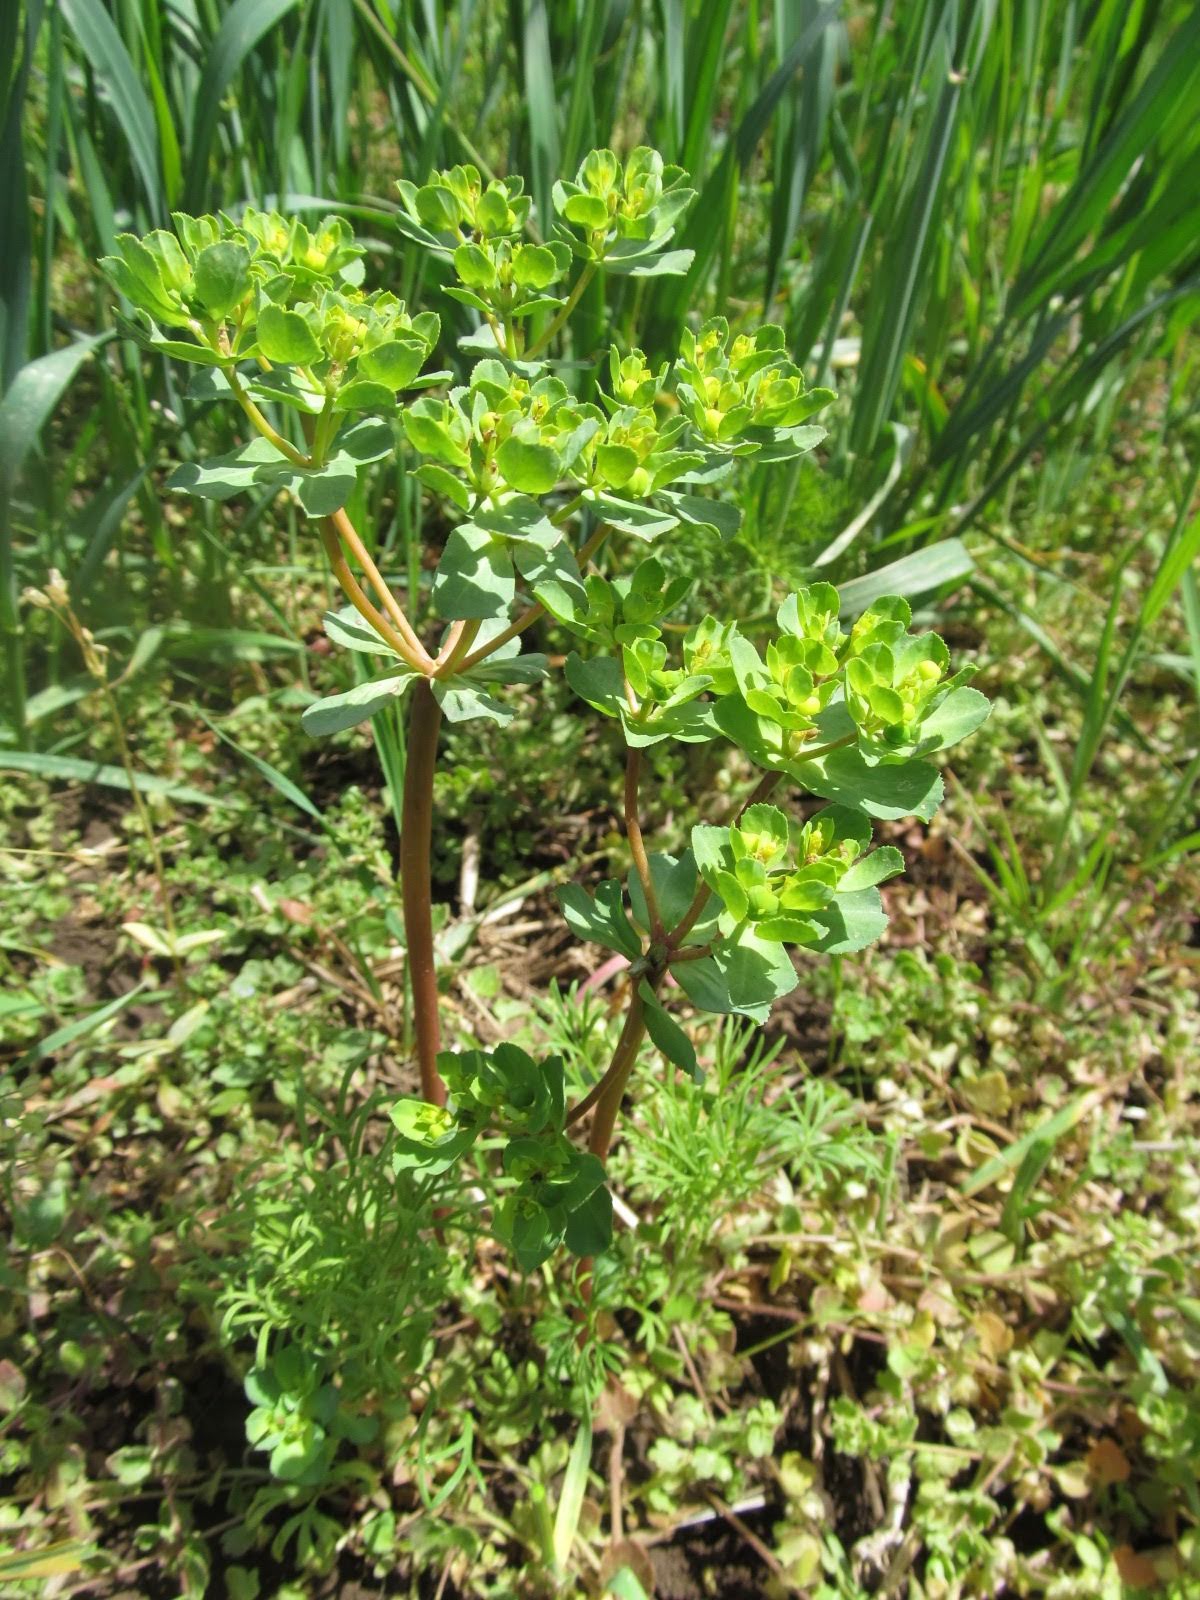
(801,131)
(887,335)
(703,232)
(32,396)
(948,561)
(105,50)
(103,517)
(705,36)
(673,96)
(579,129)
(279,781)
(72,769)
(243,25)
(1165,103)
(338,32)
(1176,565)
(541,107)
(1047,1133)
(570,1499)
(82,1026)
(14,196)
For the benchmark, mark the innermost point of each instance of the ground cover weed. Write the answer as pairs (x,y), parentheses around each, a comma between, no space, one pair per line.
(273,314)
(539,462)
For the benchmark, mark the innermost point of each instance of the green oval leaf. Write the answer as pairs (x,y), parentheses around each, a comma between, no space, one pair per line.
(586,211)
(394,364)
(222,277)
(531,468)
(285,337)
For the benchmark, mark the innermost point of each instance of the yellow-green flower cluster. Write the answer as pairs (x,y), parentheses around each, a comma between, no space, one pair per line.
(895,679)
(641,199)
(767,871)
(274,291)
(737,390)
(456,205)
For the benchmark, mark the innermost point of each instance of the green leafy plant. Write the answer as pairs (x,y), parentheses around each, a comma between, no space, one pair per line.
(533,480)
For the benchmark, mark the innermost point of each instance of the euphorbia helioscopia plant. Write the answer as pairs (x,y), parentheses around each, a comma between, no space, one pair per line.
(537,466)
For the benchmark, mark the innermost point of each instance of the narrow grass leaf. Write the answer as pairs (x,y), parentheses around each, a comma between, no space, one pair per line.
(1048,1133)
(1168,91)
(570,1500)
(71,769)
(242,26)
(32,396)
(1176,564)
(541,104)
(104,49)
(948,561)
(82,1026)
(14,195)
(278,780)
(51,1561)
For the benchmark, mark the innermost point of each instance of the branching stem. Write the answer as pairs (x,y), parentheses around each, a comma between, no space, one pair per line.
(259,421)
(610,1091)
(637,846)
(565,310)
(529,616)
(459,640)
(349,536)
(353,591)
(416,841)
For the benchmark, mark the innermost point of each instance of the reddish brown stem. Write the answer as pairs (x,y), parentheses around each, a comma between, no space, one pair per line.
(348,534)
(612,1086)
(416,838)
(637,847)
(358,598)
